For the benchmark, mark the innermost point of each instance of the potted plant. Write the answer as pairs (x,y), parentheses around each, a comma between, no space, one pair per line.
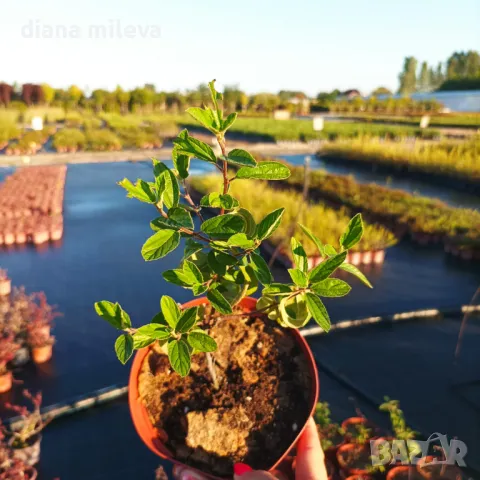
(40,342)
(25,440)
(252,384)
(17,470)
(331,434)
(8,348)
(5,283)
(354,458)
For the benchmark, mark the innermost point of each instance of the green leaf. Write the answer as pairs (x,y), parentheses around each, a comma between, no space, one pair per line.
(327,267)
(199,289)
(356,272)
(331,287)
(141,190)
(294,312)
(250,224)
(191,247)
(201,341)
(192,271)
(277,289)
(217,200)
(160,244)
(187,320)
(261,269)
(219,302)
(181,163)
(205,117)
(188,145)
(124,348)
(160,319)
(228,122)
(154,330)
(318,311)
(330,250)
(241,157)
(265,171)
(141,341)
(240,240)
(223,225)
(179,277)
(178,218)
(300,259)
(179,356)
(170,310)
(269,224)
(299,278)
(314,239)
(353,233)
(166,183)
(113,314)
(214,94)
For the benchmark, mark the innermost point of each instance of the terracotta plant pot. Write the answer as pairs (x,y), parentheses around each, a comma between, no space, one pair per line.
(152,436)
(402,472)
(356,258)
(351,449)
(436,471)
(367,258)
(29,455)
(5,382)
(5,287)
(348,423)
(379,256)
(42,354)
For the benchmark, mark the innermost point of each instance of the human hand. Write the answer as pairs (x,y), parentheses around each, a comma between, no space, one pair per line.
(309,463)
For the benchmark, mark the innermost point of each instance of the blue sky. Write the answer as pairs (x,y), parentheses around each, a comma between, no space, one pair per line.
(262,45)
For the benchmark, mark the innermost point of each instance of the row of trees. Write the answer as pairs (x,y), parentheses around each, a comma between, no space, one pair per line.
(460,69)
(147,99)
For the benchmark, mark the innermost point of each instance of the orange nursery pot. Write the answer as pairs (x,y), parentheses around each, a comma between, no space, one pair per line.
(42,354)
(152,437)
(5,382)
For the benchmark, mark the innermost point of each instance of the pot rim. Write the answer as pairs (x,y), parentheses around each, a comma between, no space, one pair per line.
(149,434)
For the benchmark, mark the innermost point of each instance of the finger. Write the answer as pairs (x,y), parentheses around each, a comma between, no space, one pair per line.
(310,464)
(255,475)
(184,473)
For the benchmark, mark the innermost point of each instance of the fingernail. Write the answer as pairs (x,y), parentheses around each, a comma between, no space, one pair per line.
(241,468)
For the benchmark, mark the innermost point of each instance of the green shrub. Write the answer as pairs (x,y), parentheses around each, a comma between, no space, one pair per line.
(102,140)
(69,138)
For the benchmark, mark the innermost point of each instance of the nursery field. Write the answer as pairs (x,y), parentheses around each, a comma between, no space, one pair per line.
(102,226)
(456,161)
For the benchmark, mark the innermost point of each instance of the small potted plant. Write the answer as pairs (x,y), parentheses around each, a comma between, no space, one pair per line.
(331,434)
(253,381)
(355,458)
(40,342)
(5,283)
(8,348)
(39,337)
(25,440)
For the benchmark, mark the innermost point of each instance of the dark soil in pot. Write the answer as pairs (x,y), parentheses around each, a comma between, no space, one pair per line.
(254,417)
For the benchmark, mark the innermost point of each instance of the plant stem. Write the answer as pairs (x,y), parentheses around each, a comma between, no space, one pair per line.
(212,370)
(226,181)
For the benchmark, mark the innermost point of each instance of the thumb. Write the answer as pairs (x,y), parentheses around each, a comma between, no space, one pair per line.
(310,463)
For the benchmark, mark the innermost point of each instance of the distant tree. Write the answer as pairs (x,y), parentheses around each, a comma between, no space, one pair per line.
(463,65)
(265,102)
(99,98)
(424,79)
(32,94)
(381,91)
(74,95)
(122,98)
(5,94)
(142,97)
(408,77)
(48,93)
